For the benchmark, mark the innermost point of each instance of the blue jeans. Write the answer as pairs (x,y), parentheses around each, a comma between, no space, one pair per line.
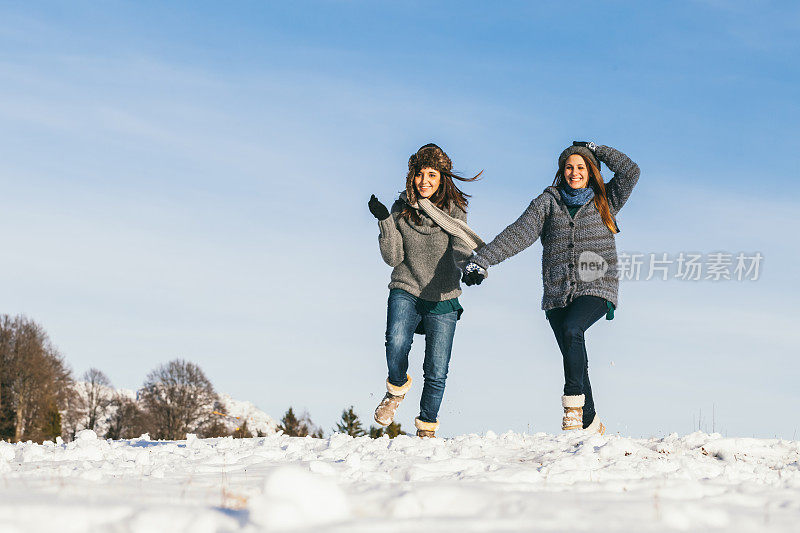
(569,325)
(402,319)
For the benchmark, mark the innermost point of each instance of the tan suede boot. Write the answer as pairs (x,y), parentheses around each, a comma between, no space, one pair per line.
(596,426)
(384,414)
(573,412)
(426,430)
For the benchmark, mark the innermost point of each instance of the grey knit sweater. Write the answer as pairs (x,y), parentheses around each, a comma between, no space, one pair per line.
(425,258)
(569,244)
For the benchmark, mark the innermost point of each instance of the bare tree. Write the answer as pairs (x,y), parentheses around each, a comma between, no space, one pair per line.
(98,394)
(179,399)
(88,404)
(126,420)
(72,416)
(218,425)
(34,382)
(7,334)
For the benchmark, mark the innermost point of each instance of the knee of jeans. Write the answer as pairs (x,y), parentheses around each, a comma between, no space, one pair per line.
(434,376)
(398,340)
(572,333)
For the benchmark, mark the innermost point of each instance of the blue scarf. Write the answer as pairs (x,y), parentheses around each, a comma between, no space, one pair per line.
(575,197)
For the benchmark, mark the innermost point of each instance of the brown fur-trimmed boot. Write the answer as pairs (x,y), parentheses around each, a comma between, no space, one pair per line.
(384,414)
(426,430)
(596,426)
(573,412)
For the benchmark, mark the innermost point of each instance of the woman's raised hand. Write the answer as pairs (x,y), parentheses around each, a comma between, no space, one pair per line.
(588,144)
(473,274)
(377,209)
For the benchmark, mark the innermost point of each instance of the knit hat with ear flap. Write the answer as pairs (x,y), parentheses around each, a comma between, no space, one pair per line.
(582,150)
(429,156)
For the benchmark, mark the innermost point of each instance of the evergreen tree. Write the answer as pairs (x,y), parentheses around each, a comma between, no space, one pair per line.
(292,426)
(350,424)
(51,427)
(393,430)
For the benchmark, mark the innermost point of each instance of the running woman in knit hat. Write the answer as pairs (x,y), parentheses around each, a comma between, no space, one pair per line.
(575,217)
(424,238)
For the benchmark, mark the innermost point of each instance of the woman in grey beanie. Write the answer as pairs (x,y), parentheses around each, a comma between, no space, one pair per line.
(424,238)
(575,218)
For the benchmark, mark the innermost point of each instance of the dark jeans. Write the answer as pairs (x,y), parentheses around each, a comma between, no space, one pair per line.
(570,324)
(403,318)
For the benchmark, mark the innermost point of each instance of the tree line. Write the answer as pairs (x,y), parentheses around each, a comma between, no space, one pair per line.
(349,423)
(40,399)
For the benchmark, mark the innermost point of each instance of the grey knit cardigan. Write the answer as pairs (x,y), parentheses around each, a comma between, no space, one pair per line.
(425,258)
(565,239)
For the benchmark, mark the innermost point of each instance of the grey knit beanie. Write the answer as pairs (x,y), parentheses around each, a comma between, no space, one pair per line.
(581,150)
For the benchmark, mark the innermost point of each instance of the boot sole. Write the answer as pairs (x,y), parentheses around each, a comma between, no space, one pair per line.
(384,424)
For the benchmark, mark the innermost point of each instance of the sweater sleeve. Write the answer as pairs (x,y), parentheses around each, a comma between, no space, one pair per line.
(462,252)
(626,174)
(390,239)
(516,237)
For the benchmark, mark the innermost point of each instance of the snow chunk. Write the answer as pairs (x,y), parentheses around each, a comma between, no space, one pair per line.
(293,497)
(86,437)
(7,452)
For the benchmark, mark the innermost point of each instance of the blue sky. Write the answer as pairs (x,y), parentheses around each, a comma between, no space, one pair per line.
(190,180)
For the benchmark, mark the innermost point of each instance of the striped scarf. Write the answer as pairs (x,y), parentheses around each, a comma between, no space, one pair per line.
(453,226)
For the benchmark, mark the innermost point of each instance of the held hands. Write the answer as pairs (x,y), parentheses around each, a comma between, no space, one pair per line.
(473,274)
(377,209)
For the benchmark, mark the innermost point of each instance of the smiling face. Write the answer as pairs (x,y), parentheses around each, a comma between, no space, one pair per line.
(575,172)
(427,182)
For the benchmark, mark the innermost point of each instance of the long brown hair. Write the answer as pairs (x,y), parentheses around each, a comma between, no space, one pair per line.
(447,195)
(599,188)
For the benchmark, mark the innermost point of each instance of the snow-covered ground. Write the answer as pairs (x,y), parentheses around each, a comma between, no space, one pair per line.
(511,482)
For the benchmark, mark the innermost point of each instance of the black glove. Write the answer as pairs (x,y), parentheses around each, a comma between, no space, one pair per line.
(473,275)
(588,144)
(472,278)
(377,209)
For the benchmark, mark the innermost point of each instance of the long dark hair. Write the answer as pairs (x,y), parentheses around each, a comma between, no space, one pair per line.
(447,195)
(599,188)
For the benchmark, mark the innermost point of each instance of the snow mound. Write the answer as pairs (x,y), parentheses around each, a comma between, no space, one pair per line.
(509,482)
(258,422)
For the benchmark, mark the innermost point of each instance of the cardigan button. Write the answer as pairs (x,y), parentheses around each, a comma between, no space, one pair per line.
(571,265)
(570,245)
(571,224)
